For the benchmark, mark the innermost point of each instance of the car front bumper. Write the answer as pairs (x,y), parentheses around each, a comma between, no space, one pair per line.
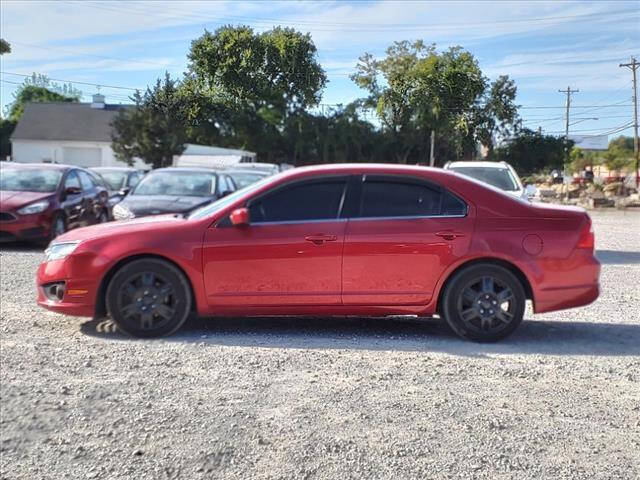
(26,227)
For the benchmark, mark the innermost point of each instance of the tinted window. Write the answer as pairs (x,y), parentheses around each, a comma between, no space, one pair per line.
(452,205)
(72,180)
(397,199)
(305,201)
(85,179)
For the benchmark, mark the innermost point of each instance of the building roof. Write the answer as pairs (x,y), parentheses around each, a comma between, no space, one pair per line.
(66,121)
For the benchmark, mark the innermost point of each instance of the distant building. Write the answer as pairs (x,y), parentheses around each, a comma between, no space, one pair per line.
(61,132)
(80,134)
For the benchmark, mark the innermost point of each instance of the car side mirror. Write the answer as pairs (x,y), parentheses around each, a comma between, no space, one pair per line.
(239,217)
(124,191)
(72,190)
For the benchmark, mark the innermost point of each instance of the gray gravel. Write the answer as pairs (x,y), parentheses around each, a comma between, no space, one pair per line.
(325,398)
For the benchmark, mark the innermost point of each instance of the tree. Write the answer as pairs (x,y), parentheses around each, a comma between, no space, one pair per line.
(5,47)
(531,152)
(155,129)
(29,93)
(619,154)
(254,83)
(65,89)
(424,90)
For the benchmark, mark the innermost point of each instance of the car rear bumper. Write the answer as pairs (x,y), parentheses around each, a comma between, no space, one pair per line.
(569,284)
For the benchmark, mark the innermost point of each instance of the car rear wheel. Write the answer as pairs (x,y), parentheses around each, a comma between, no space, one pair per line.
(149,298)
(484,303)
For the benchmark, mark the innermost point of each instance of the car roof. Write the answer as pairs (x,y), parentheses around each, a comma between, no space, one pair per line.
(246,170)
(40,166)
(500,165)
(186,170)
(113,169)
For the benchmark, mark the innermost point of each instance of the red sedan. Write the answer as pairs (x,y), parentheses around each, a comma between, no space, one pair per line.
(332,240)
(38,202)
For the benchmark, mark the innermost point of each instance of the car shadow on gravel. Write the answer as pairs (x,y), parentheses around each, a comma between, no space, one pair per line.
(10,247)
(617,257)
(394,334)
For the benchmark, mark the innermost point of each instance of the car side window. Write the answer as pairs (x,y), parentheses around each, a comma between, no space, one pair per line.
(397,198)
(134,178)
(231,183)
(317,200)
(85,180)
(222,182)
(72,180)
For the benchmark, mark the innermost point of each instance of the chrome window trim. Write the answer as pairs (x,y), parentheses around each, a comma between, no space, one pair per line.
(411,217)
(293,222)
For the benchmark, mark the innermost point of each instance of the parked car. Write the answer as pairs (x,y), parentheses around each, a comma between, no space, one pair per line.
(119,180)
(173,190)
(499,174)
(332,240)
(243,178)
(268,168)
(38,202)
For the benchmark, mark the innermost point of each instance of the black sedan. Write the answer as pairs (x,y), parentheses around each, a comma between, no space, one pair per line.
(173,190)
(119,180)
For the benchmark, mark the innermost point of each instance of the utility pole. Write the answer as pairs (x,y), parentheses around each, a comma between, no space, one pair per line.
(568,91)
(432,160)
(633,65)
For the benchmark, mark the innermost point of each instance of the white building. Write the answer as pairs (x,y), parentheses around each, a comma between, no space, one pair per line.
(80,134)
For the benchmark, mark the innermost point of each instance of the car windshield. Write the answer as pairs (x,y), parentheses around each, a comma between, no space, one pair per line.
(223,202)
(115,180)
(242,179)
(501,178)
(29,180)
(177,183)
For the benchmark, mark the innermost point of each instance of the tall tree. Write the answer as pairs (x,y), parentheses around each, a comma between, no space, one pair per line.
(5,47)
(260,79)
(530,152)
(29,93)
(155,129)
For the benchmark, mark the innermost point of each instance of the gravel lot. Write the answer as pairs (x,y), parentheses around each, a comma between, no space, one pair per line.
(325,398)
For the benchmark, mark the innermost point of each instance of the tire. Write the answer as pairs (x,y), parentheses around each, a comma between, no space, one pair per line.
(103,217)
(484,303)
(148,298)
(58,225)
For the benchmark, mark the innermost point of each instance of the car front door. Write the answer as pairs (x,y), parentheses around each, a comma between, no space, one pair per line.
(289,254)
(405,233)
(72,199)
(92,203)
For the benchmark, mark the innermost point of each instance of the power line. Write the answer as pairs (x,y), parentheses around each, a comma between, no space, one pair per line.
(353,26)
(101,85)
(633,65)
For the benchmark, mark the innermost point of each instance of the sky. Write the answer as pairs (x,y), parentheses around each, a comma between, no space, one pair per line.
(545,46)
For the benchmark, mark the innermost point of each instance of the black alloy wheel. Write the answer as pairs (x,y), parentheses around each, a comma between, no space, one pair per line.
(484,303)
(149,298)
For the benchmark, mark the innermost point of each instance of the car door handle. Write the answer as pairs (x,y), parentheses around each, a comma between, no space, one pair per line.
(320,239)
(449,235)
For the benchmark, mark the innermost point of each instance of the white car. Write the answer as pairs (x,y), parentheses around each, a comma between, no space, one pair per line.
(498,174)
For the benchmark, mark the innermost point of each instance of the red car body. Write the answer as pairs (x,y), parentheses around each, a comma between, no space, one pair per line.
(342,266)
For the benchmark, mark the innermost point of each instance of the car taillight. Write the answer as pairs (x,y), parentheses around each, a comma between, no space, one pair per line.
(587,237)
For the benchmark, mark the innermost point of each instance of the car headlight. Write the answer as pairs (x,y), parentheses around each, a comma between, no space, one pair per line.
(120,212)
(58,251)
(36,207)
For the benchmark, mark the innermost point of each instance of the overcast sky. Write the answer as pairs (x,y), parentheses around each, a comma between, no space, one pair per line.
(544,46)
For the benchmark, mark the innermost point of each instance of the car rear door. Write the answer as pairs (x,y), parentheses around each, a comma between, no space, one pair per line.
(91,198)
(289,254)
(404,235)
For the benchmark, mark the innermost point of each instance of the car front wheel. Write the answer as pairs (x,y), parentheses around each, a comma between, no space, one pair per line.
(484,303)
(149,297)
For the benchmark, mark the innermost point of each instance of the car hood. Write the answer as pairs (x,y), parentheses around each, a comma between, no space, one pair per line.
(10,200)
(110,229)
(141,205)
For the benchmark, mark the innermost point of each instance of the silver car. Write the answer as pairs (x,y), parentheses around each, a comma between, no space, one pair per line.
(498,174)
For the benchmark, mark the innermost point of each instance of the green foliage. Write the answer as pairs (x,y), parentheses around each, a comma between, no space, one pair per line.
(64,89)
(4,46)
(156,129)
(29,93)
(529,152)
(424,90)
(619,154)
(6,129)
